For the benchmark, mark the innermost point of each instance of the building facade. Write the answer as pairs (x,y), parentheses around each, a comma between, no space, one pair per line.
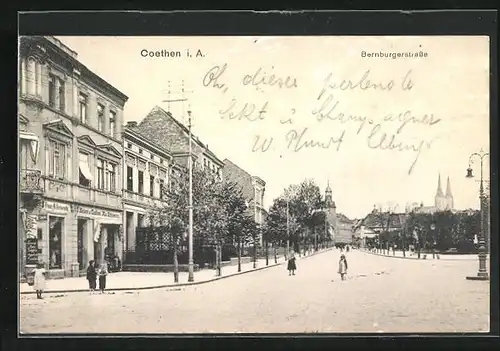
(146,170)
(70,157)
(252,187)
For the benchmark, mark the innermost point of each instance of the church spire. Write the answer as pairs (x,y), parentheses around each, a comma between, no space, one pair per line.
(439,192)
(448,188)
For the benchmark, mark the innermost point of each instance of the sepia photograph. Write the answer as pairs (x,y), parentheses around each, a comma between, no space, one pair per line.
(253,184)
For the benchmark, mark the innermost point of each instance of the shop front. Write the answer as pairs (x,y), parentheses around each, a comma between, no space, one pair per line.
(99,235)
(54,238)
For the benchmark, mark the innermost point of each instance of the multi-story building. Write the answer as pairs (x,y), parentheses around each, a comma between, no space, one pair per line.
(163,129)
(252,187)
(70,157)
(146,176)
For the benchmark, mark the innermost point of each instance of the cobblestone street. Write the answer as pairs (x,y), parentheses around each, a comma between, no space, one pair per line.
(380,295)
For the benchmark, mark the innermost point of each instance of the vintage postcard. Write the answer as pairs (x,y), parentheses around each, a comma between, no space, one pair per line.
(254,184)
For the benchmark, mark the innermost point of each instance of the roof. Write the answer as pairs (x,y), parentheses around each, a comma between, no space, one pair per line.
(238,175)
(163,129)
(133,132)
(377,219)
(343,218)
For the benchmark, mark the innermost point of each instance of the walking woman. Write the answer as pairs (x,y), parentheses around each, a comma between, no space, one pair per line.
(103,272)
(291,264)
(91,276)
(342,267)
(39,280)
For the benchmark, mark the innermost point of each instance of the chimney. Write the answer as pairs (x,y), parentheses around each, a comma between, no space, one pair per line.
(131,124)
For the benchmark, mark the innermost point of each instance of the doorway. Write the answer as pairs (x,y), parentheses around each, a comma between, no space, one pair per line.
(82,226)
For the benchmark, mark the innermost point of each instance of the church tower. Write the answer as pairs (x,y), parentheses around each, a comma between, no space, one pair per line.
(331,211)
(439,199)
(328,197)
(449,196)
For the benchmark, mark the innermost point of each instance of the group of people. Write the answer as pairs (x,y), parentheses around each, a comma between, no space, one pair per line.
(292,265)
(93,273)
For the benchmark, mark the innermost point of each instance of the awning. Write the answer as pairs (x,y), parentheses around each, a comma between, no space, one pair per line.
(84,168)
(34,143)
(99,221)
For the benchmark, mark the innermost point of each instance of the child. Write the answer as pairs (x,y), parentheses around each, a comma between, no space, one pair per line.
(39,280)
(91,276)
(342,267)
(103,272)
(291,264)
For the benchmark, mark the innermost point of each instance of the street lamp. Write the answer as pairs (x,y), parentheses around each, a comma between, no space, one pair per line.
(433,228)
(482,273)
(190,206)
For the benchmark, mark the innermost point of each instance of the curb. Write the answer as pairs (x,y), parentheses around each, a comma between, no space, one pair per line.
(166,286)
(417,259)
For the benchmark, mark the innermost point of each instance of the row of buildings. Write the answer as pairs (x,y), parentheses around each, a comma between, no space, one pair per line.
(87,180)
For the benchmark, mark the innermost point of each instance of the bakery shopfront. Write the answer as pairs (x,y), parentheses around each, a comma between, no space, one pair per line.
(99,233)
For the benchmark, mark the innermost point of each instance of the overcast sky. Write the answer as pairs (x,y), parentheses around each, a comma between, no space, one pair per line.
(450,86)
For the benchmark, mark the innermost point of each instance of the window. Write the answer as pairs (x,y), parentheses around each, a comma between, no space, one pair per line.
(85,174)
(55,236)
(152,185)
(111,177)
(57,162)
(141,182)
(112,120)
(100,174)
(61,94)
(100,117)
(52,91)
(82,107)
(130,179)
(162,186)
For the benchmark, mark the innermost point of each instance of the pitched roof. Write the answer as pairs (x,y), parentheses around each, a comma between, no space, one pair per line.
(161,128)
(238,175)
(376,219)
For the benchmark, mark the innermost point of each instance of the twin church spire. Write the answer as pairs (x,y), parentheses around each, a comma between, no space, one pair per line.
(444,201)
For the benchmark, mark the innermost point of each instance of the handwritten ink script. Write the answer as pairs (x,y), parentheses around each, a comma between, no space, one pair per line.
(383,129)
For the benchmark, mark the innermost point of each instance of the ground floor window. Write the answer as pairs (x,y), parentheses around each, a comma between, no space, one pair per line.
(55,237)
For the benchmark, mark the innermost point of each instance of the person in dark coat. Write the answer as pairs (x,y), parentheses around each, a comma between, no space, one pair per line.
(92,276)
(291,264)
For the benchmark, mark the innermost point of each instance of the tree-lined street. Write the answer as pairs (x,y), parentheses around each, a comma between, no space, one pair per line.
(381,294)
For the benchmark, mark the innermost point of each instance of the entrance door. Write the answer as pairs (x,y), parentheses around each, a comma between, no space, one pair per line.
(81,229)
(110,243)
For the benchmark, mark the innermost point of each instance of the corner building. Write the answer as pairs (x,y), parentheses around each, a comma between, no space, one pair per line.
(70,183)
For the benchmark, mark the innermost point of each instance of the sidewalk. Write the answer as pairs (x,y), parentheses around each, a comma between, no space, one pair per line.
(152,280)
(445,257)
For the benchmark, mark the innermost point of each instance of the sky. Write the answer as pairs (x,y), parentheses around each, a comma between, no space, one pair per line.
(379,130)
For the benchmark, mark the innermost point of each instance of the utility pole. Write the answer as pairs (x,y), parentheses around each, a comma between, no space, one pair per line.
(183,99)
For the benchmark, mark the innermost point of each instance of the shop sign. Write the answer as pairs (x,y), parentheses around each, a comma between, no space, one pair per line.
(31,251)
(57,207)
(98,213)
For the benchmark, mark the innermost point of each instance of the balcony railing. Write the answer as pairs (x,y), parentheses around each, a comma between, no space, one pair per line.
(31,181)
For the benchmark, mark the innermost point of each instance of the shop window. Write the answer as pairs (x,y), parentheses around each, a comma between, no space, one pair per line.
(55,237)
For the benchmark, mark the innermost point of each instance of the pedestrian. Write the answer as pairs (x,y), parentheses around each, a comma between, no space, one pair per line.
(91,276)
(39,280)
(342,267)
(103,272)
(292,266)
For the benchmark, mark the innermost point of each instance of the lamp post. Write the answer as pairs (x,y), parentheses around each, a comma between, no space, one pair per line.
(433,228)
(287,228)
(482,273)
(190,206)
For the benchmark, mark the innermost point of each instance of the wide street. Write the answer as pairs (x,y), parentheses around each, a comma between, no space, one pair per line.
(381,294)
